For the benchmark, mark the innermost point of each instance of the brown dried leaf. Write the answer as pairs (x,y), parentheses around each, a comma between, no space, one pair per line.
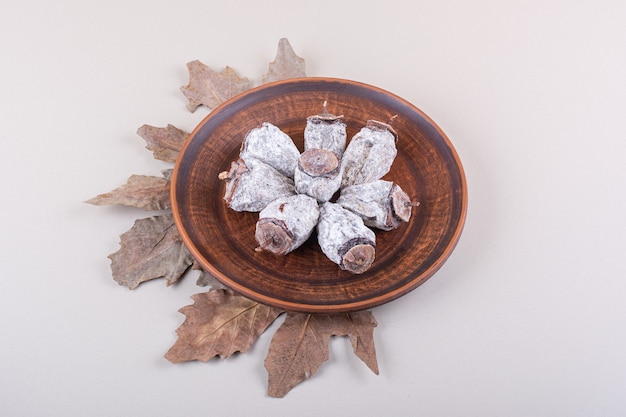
(151,249)
(286,64)
(206,279)
(167,174)
(300,346)
(219,323)
(164,142)
(359,327)
(210,88)
(142,191)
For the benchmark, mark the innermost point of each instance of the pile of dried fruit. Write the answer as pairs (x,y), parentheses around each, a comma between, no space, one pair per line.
(293,192)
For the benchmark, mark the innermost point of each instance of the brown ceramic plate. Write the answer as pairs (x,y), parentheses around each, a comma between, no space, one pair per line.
(222,240)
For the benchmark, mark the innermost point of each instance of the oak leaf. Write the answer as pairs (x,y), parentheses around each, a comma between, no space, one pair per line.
(300,346)
(210,88)
(167,174)
(206,279)
(219,323)
(164,142)
(151,249)
(286,64)
(142,191)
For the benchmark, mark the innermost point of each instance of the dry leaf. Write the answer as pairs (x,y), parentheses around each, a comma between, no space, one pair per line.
(286,64)
(151,249)
(300,346)
(219,323)
(164,142)
(167,174)
(206,279)
(142,191)
(210,88)
(359,327)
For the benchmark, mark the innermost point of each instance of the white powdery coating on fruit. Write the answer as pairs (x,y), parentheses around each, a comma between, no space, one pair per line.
(271,145)
(368,157)
(322,134)
(258,186)
(321,188)
(299,213)
(371,201)
(336,227)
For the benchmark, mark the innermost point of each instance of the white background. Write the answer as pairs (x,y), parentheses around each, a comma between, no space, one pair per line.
(528,316)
